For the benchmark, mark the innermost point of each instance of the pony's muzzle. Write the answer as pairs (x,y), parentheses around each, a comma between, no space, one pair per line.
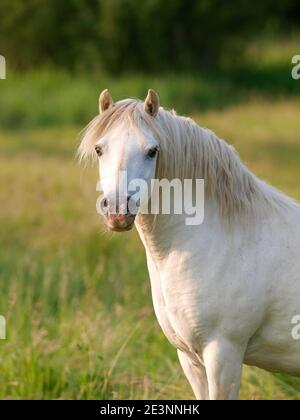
(120,222)
(118,218)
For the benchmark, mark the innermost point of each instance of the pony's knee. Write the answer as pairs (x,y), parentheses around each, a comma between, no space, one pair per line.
(223,361)
(195,374)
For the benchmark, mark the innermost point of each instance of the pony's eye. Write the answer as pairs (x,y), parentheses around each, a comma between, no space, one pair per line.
(98,150)
(152,152)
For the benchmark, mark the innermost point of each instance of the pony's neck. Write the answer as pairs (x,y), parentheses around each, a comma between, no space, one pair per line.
(162,234)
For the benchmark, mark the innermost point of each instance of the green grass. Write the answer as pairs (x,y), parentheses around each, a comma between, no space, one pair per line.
(80,322)
(51,98)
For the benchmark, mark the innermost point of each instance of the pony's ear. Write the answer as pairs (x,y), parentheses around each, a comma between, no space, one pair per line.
(105,101)
(151,104)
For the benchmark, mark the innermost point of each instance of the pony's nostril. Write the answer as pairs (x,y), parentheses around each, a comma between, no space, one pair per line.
(103,206)
(132,205)
(128,204)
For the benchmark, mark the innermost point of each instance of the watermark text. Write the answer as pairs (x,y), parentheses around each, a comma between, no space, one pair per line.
(296,329)
(296,68)
(2,328)
(2,67)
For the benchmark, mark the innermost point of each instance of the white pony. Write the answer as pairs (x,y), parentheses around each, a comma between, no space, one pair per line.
(225,292)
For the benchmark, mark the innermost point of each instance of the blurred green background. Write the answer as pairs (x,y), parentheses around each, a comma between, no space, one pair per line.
(80,322)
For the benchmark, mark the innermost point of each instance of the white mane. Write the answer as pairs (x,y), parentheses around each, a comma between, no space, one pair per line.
(189,151)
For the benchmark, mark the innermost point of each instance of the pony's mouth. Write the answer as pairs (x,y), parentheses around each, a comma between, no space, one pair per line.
(119,222)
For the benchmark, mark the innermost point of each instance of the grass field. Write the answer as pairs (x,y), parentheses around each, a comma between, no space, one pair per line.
(76,298)
(52,97)
(80,322)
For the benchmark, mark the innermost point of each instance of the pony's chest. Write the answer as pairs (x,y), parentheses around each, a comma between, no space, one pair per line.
(192,301)
(179,314)
(182,323)
(168,327)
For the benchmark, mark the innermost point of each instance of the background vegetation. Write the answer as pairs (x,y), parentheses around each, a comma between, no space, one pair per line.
(80,322)
(150,35)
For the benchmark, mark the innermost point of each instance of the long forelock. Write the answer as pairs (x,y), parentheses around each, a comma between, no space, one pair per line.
(121,112)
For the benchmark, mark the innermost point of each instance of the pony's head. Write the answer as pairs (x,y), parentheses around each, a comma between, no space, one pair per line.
(138,140)
(126,150)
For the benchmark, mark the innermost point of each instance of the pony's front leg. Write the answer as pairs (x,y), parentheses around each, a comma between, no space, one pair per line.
(223,362)
(196,375)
